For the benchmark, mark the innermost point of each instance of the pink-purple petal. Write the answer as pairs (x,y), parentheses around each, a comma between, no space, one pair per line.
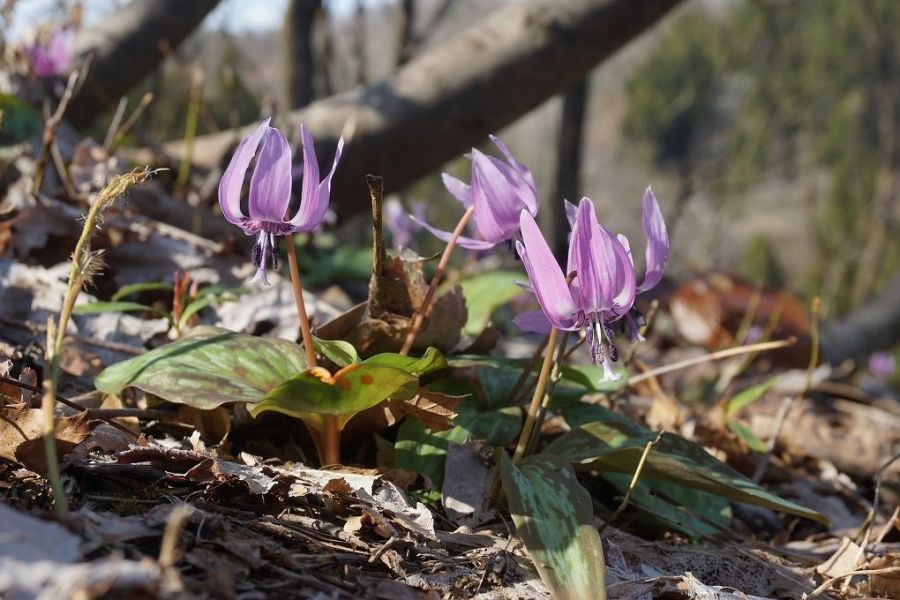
(232,181)
(270,186)
(533,322)
(550,286)
(459,190)
(464,242)
(657,241)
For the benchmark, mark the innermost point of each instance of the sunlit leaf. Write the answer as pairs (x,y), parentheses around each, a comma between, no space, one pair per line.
(747,397)
(429,362)
(208,367)
(136,288)
(553,515)
(616,446)
(96,308)
(353,389)
(583,376)
(339,352)
(487,292)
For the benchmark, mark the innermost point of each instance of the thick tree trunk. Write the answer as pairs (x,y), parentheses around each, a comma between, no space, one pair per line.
(568,162)
(127,45)
(297,43)
(452,96)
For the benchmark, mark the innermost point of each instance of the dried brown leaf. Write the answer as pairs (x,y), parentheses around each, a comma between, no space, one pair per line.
(21,435)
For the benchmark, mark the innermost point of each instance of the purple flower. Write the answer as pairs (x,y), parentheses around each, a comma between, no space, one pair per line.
(603,285)
(399,223)
(54,56)
(270,191)
(882,365)
(498,191)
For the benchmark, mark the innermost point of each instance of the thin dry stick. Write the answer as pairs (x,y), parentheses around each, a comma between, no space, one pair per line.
(682,364)
(131,122)
(634,481)
(788,403)
(114,124)
(537,397)
(425,308)
(174,524)
(85,264)
(824,587)
(48,407)
(49,135)
(60,165)
(101,414)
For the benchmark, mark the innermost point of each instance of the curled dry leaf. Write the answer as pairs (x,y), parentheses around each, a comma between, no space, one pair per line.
(433,409)
(21,430)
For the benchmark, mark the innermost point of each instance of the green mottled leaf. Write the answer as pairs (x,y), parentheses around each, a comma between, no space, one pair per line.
(135,288)
(429,362)
(487,292)
(96,308)
(747,397)
(676,507)
(421,450)
(208,367)
(553,515)
(354,388)
(586,377)
(617,446)
(339,352)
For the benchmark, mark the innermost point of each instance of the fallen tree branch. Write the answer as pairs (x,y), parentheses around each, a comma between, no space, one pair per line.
(453,95)
(127,45)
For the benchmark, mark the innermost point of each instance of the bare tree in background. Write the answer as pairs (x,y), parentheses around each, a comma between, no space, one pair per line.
(450,97)
(360,44)
(568,162)
(299,60)
(129,44)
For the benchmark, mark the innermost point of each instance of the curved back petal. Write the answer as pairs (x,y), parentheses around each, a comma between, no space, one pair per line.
(233,178)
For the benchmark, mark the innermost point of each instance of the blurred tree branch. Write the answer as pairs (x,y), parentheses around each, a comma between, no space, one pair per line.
(873,326)
(127,45)
(453,95)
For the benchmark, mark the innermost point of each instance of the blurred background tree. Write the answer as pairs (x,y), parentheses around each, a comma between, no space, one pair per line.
(804,90)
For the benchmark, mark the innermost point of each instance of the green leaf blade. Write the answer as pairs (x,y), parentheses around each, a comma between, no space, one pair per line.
(208,367)
(553,514)
(354,389)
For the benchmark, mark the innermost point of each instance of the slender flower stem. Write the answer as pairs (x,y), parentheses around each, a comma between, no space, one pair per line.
(555,376)
(537,397)
(526,372)
(424,310)
(298,299)
(331,436)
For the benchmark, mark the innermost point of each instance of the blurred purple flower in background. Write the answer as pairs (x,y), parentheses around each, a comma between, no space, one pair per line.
(53,56)
(498,191)
(270,192)
(604,287)
(400,224)
(882,365)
